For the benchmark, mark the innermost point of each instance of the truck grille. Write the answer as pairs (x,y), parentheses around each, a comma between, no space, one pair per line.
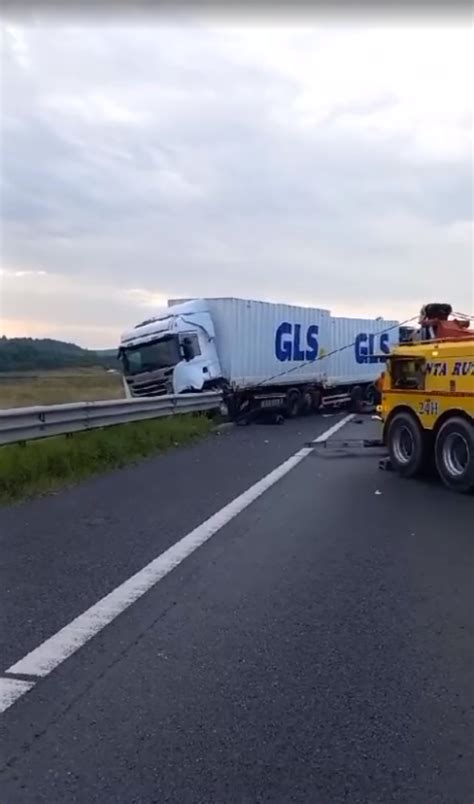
(155,386)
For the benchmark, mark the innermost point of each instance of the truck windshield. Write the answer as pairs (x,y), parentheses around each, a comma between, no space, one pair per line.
(151,356)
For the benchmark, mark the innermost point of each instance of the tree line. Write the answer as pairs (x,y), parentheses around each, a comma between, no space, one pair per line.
(40,354)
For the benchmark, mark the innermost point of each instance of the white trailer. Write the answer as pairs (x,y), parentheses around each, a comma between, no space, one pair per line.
(261,355)
(359,348)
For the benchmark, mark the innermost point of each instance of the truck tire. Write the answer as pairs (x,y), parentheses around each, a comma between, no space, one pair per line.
(317,400)
(454,454)
(293,404)
(406,445)
(306,405)
(357,395)
(372,395)
(240,411)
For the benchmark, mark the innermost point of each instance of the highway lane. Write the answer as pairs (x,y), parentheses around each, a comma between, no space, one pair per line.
(61,553)
(317,649)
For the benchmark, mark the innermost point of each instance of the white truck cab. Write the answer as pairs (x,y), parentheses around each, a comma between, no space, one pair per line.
(170,353)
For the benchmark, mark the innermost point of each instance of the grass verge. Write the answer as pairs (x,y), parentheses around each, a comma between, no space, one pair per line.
(42,466)
(56,387)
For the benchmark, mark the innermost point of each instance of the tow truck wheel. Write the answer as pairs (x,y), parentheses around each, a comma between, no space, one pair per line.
(454,454)
(406,445)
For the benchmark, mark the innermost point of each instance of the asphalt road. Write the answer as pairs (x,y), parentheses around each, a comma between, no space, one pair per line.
(318,648)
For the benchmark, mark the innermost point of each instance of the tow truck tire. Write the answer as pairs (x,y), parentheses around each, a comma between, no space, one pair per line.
(406,445)
(454,454)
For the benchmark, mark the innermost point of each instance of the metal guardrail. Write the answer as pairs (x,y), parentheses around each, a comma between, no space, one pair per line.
(24,424)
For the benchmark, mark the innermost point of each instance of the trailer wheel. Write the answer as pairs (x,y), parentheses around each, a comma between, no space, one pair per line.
(356,399)
(406,445)
(317,399)
(293,404)
(454,454)
(372,396)
(306,406)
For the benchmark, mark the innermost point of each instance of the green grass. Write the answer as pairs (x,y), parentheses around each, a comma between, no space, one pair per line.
(56,387)
(49,464)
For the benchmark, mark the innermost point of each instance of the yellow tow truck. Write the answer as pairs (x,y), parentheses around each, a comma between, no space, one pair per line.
(427,401)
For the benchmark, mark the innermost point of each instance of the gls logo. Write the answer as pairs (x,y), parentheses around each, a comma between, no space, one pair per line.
(365,347)
(288,342)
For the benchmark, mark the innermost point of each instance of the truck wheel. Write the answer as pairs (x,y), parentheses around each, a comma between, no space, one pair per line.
(372,396)
(356,399)
(406,445)
(241,411)
(293,404)
(317,399)
(306,403)
(454,454)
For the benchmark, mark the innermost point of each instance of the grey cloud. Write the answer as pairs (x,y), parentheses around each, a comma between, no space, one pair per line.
(208,187)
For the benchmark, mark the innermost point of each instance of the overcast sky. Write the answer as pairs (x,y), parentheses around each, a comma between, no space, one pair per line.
(324,164)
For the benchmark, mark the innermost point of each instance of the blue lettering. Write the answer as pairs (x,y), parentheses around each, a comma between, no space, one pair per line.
(312,341)
(298,353)
(369,349)
(437,369)
(372,357)
(385,343)
(361,351)
(465,368)
(289,342)
(283,347)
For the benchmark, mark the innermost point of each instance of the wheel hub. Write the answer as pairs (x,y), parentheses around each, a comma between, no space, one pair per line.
(456,455)
(404,445)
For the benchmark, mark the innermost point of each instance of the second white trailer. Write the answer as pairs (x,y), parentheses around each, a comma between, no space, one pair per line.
(359,348)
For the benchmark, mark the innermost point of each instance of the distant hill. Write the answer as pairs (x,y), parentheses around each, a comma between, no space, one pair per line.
(31,354)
